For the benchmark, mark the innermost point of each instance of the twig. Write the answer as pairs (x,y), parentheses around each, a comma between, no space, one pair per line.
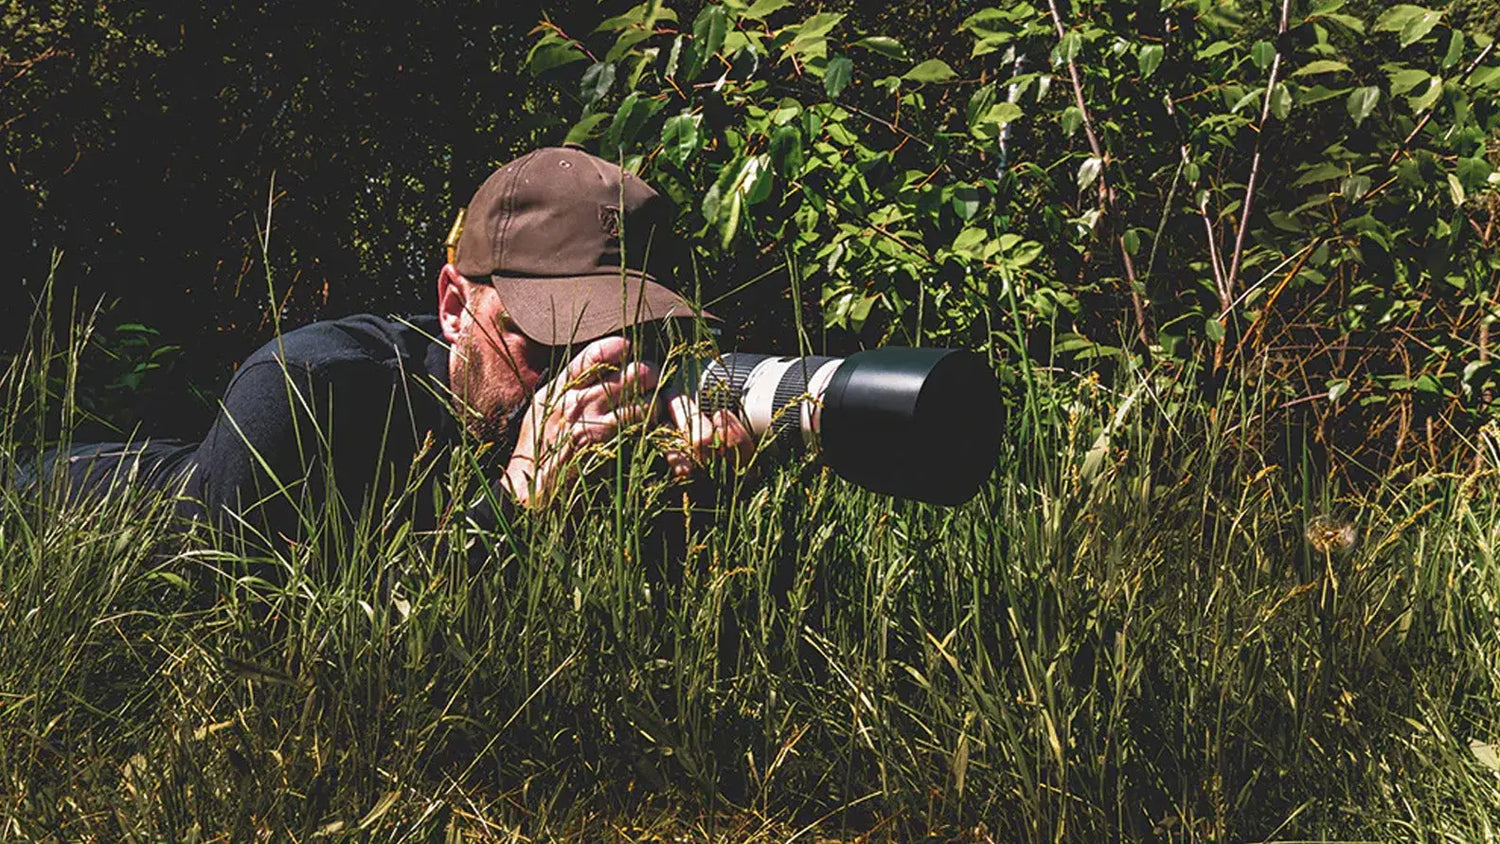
(1215,263)
(25,65)
(1252,336)
(1088,121)
(1104,192)
(1265,114)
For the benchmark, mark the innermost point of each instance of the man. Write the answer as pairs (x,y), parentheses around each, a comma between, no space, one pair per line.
(560,252)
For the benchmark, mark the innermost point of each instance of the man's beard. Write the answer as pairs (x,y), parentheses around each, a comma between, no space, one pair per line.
(487,415)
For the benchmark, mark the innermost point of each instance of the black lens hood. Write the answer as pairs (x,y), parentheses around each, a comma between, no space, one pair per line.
(920,423)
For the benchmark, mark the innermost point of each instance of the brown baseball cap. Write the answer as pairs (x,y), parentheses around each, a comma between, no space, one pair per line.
(576,247)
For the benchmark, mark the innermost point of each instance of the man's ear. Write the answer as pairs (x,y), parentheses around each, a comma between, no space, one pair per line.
(453,292)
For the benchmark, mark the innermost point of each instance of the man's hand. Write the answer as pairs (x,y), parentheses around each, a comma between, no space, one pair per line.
(589,402)
(596,395)
(721,435)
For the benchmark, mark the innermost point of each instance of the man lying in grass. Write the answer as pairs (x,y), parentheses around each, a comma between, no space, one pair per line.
(559,253)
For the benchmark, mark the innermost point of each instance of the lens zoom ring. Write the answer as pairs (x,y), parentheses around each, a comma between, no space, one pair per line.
(787,421)
(723,384)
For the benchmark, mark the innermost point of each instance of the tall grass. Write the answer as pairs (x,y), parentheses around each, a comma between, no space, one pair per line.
(1126,636)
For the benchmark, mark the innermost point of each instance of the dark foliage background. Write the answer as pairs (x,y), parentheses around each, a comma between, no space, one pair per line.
(145,142)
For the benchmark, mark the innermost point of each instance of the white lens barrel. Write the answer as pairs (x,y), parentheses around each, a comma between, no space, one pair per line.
(763,390)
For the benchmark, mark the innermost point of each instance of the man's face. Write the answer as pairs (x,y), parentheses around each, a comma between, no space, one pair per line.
(493,368)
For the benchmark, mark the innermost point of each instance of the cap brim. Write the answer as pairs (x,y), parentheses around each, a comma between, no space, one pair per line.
(577,309)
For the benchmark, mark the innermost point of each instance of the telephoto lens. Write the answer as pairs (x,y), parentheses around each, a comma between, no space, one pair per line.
(919,423)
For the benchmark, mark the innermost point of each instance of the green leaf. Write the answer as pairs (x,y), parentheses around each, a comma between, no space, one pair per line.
(991,44)
(1215,49)
(885,46)
(809,39)
(1321,66)
(625,43)
(932,70)
(1281,101)
(968,243)
(1354,187)
(1150,59)
(596,82)
(1456,189)
(631,116)
(1313,94)
(761,8)
(979,104)
(584,129)
(837,75)
(786,151)
(1406,79)
(709,29)
(1131,240)
(1485,77)
(1320,173)
(549,54)
(1362,102)
(1474,172)
(736,41)
(1072,118)
(1089,171)
(1245,100)
(1067,49)
(1213,330)
(758,180)
(1425,100)
(679,138)
(729,220)
(673,56)
(990,123)
(622,21)
(1262,54)
(1397,17)
(966,202)
(1418,28)
(1412,22)
(786,111)
(712,199)
(1337,389)
(1455,49)
(819,25)
(1347,21)
(644,15)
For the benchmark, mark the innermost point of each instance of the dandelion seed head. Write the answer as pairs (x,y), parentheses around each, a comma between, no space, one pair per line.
(1330,535)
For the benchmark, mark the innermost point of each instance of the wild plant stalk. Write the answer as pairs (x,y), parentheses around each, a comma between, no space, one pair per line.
(1126,636)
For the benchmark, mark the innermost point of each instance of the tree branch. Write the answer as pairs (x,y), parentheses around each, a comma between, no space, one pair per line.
(1265,114)
(1105,194)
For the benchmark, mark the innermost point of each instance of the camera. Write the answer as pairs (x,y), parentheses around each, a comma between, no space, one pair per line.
(918,423)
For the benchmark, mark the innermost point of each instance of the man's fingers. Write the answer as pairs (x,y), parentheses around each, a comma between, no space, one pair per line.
(738,442)
(680,465)
(592,430)
(613,392)
(722,434)
(682,409)
(598,379)
(597,359)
